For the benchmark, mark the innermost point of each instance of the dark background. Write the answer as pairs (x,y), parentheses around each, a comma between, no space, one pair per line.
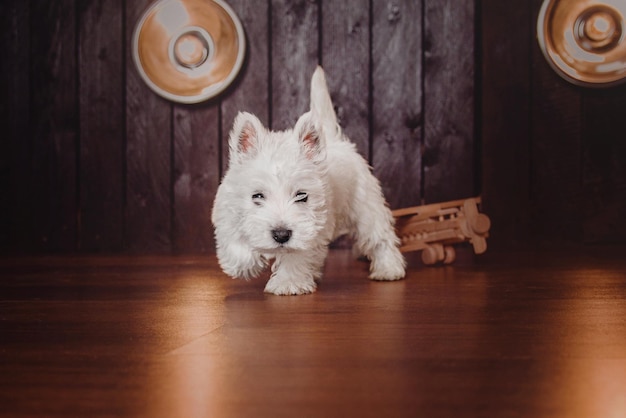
(447,99)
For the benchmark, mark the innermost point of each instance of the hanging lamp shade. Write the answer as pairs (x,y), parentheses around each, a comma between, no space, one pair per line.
(188,51)
(584,41)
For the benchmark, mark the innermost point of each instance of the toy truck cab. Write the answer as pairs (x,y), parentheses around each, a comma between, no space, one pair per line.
(435,227)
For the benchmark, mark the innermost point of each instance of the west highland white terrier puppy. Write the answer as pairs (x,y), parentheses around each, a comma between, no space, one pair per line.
(287,195)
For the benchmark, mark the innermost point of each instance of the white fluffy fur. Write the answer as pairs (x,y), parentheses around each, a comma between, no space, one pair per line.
(310,181)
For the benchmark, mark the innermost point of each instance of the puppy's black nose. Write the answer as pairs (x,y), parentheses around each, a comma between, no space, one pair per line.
(281,235)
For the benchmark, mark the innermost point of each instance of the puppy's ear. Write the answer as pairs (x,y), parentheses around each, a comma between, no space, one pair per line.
(311,138)
(244,137)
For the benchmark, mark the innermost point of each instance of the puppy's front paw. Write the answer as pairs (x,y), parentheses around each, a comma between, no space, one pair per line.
(240,262)
(279,286)
(245,271)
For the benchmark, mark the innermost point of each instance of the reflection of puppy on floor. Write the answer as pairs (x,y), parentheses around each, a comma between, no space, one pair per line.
(287,195)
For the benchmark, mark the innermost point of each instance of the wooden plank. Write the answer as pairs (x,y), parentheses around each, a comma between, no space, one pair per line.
(555,149)
(449,147)
(251,91)
(294,56)
(54,118)
(504,122)
(345,55)
(148,156)
(15,209)
(397,100)
(101,76)
(604,165)
(526,334)
(196,176)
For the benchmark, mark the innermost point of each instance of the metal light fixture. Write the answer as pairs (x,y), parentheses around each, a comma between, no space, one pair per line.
(584,41)
(188,51)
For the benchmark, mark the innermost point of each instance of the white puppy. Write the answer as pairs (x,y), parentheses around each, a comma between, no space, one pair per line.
(287,195)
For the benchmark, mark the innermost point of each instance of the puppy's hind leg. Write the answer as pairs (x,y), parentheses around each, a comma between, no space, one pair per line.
(375,235)
(387,263)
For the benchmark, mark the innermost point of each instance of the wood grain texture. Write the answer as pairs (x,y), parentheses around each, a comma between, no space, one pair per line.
(539,334)
(556,152)
(148,156)
(93,160)
(252,91)
(505,118)
(54,123)
(604,165)
(294,58)
(196,176)
(397,100)
(15,209)
(101,99)
(449,147)
(345,52)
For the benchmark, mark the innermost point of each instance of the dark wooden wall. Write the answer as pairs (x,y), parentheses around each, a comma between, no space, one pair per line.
(446,99)
(94,161)
(553,154)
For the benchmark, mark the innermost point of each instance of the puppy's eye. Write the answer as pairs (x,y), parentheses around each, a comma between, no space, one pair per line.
(257,198)
(302,197)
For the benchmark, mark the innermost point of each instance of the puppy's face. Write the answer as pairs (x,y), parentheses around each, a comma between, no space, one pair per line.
(275,185)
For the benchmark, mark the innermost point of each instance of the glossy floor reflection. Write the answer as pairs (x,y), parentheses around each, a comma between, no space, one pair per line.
(516,334)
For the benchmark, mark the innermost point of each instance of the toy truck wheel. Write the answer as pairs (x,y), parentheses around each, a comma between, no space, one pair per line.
(432,254)
(481,224)
(450,254)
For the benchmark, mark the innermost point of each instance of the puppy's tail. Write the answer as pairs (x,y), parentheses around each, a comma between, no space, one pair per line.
(322,106)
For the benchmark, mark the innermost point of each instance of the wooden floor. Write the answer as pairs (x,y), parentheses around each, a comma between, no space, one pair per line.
(509,335)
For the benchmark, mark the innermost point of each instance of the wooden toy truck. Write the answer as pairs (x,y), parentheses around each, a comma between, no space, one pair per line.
(435,227)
